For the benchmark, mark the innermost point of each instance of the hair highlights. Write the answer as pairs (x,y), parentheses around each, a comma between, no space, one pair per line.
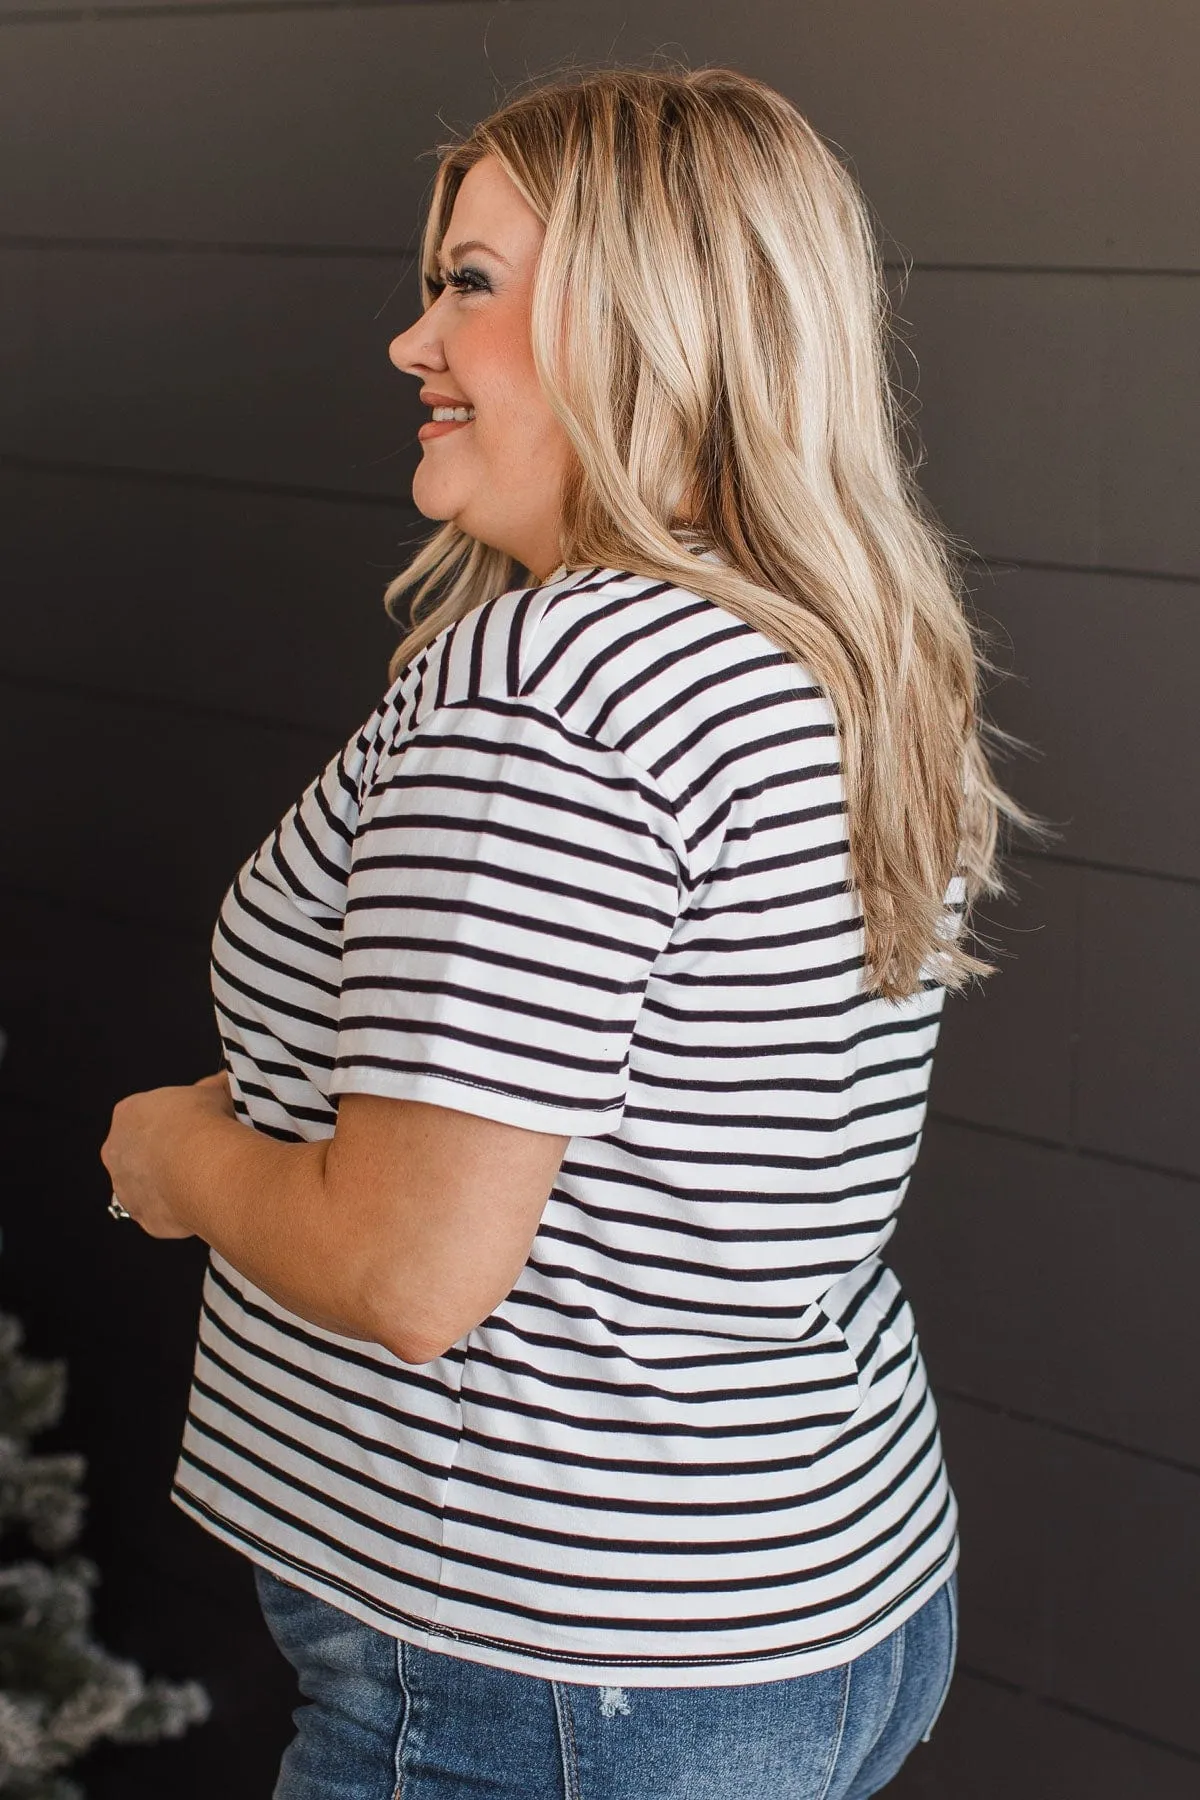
(711,324)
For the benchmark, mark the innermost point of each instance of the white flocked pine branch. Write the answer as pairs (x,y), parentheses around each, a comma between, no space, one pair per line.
(60,1691)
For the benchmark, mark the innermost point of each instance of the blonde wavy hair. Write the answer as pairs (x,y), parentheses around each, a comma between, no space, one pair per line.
(710,323)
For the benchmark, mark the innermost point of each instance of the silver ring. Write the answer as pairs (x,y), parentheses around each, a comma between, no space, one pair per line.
(117,1210)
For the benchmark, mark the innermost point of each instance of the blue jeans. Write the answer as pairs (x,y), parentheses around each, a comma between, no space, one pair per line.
(387,1721)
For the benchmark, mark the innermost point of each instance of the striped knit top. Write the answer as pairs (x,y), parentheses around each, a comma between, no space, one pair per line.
(585,870)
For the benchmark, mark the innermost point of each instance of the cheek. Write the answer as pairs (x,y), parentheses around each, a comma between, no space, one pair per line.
(494,363)
(516,435)
(520,434)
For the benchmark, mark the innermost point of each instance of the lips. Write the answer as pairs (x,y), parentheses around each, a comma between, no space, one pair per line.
(436,428)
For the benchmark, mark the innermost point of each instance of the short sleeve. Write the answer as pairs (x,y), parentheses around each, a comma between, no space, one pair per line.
(512,882)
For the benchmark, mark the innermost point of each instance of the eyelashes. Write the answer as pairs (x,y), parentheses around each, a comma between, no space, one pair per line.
(463,281)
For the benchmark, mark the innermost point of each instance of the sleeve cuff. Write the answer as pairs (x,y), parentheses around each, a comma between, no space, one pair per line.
(461,1094)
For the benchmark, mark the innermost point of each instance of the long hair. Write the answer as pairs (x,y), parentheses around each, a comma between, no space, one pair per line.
(710,323)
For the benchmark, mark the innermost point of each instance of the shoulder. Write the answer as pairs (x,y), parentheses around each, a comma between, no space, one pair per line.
(634,689)
(639,665)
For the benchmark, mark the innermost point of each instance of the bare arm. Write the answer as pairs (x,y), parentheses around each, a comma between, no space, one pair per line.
(405,1228)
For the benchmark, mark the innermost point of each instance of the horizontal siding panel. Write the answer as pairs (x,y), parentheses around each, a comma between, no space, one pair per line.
(1037,1332)
(140,810)
(1080,1576)
(258,368)
(96,1008)
(1041,400)
(76,1280)
(1055,411)
(306,125)
(1007,372)
(299,126)
(1139,1051)
(262,604)
(1005,1054)
(66,11)
(1148,513)
(1104,695)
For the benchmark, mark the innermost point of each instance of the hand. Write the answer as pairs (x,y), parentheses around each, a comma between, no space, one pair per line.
(148,1133)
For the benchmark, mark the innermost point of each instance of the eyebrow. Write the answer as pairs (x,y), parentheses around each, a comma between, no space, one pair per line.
(457,250)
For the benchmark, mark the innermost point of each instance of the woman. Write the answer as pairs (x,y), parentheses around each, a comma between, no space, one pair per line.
(583,1010)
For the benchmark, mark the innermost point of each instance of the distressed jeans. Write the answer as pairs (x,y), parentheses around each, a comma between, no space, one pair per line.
(383,1720)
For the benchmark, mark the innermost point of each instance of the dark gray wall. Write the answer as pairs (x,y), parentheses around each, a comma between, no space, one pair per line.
(206,223)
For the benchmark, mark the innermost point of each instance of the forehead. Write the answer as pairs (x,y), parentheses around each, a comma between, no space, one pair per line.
(489,207)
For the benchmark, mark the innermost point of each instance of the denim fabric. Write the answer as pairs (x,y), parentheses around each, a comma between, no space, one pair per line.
(384,1720)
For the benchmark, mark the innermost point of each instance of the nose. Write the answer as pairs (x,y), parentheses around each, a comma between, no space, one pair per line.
(419,349)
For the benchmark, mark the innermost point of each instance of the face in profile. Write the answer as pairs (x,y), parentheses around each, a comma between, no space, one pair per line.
(495,464)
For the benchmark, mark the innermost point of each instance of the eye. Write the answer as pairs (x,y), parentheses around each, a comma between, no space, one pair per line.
(463,281)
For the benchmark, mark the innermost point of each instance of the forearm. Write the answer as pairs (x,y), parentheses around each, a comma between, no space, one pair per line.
(265,1207)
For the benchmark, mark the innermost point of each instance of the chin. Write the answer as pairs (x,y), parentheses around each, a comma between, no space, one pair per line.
(433,499)
(437,515)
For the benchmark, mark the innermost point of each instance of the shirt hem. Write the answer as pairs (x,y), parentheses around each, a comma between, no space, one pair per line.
(583,1668)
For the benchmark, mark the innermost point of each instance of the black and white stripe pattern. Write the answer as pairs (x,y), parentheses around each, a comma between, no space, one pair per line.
(585,871)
